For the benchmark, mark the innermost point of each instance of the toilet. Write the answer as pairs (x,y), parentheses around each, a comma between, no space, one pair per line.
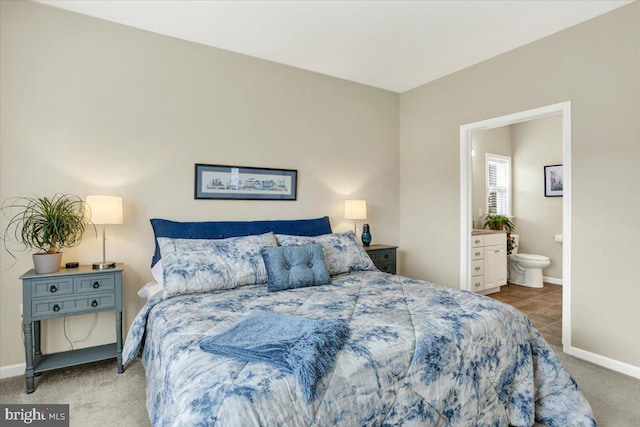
(526,269)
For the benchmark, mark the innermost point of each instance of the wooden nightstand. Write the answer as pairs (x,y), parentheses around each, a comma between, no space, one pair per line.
(383,256)
(69,292)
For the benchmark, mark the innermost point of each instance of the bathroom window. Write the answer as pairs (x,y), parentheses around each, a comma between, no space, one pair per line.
(498,184)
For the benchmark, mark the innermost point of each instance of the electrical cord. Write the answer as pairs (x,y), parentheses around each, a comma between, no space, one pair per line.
(22,328)
(64,327)
(93,326)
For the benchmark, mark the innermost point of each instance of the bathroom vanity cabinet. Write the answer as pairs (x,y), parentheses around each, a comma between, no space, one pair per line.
(488,261)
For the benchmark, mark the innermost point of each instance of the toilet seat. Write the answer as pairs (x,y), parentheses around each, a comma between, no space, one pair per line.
(531,257)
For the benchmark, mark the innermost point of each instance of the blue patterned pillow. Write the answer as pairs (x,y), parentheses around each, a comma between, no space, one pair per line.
(342,253)
(196,265)
(295,267)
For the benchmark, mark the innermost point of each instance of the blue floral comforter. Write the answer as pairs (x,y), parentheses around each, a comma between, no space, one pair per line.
(419,354)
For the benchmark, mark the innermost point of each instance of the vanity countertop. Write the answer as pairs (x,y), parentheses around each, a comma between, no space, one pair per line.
(480,231)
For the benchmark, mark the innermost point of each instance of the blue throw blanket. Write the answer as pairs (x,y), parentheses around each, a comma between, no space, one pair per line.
(302,346)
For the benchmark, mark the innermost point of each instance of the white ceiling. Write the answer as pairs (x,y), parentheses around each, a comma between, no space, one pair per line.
(394,45)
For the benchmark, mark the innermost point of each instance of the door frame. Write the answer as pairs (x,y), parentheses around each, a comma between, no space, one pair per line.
(466,194)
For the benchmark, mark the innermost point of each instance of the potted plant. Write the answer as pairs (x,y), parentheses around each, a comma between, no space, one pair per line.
(45,224)
(498,222)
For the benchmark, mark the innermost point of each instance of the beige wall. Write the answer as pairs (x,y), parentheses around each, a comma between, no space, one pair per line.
(596,66)
(494,141)
(538,219)
(92,107)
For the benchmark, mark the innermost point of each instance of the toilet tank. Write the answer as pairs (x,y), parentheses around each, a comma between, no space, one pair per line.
(516,243)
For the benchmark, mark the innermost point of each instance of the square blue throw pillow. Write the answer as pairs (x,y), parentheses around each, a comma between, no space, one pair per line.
(295,267)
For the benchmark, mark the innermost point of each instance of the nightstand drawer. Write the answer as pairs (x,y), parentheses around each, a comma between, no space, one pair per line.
(94,283)
(383,257)
(63,306)
(386,255)
(51,286)
(387,267)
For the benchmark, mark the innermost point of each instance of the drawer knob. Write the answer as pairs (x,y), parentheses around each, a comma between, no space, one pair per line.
(476,284)
(477,241)
(477,268)
(94,303)
(53,289)
(96,284)
(477,253)
(386,256)
(56,307)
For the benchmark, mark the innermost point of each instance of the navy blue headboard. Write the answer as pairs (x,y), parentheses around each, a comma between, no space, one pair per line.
(224,229)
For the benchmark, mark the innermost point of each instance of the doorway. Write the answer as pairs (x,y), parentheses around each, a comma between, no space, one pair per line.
(466,203)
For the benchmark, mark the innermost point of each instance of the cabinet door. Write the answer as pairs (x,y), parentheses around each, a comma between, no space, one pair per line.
(495,266)
(501,265)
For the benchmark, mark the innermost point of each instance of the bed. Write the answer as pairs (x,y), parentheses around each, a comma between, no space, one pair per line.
(418,353)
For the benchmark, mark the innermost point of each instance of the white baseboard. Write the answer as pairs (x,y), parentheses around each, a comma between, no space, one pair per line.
(614,365)
(12,370)
(552,280)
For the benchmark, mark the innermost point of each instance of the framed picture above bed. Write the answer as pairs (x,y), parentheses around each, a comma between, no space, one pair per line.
(553,185)
(245,183)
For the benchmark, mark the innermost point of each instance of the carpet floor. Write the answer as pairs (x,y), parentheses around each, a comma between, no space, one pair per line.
(98,396)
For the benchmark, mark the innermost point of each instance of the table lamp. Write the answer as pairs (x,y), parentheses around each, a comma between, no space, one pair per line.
(355,210)
(104,210)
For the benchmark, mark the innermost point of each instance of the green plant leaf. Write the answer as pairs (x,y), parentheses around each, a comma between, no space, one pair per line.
(44,224)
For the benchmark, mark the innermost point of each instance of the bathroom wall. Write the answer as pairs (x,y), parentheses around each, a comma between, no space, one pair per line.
(538,219)
(494,141)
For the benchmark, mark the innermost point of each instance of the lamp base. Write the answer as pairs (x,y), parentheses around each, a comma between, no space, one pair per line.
(104,265)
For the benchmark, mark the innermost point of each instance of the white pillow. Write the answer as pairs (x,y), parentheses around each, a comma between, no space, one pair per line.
(158,273)
(342,253)
(150,290)
(203,265)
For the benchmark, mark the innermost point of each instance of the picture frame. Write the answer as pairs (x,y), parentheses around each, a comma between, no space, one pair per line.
(244,183)
(553,181)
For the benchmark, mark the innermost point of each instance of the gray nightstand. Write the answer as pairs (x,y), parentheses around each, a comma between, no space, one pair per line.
(69,292)
(383,256)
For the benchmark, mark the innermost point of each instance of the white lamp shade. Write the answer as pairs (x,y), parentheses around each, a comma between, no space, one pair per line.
(355,209)
(105,209)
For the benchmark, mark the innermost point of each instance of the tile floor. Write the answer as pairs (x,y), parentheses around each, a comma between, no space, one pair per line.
(542,305)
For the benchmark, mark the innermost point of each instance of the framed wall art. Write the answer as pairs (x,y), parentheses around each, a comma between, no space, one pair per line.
(245,183)
(553,181)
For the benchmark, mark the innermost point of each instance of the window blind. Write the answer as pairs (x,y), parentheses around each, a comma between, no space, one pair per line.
(498,185)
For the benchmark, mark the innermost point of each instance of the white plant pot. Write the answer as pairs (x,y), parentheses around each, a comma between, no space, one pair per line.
(47,263)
